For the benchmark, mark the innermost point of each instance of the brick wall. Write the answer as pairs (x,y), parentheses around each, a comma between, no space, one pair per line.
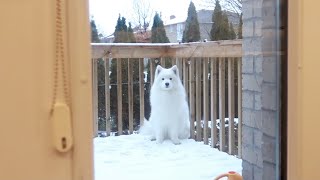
(260,89)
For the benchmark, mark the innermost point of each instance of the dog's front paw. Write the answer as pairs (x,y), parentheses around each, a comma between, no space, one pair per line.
(176,142)
(159,141)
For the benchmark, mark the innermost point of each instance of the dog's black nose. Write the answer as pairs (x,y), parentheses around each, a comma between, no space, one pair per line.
(167,84)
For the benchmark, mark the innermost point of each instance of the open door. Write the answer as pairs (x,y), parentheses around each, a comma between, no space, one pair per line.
(45,96)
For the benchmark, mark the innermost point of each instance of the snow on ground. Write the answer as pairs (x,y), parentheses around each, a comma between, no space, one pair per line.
(217,123)
(134,157)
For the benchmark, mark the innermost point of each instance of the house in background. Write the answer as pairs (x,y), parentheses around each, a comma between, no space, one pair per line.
(175,25)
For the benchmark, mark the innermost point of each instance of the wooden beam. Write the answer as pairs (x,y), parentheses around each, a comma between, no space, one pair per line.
(208,49)
(226,48)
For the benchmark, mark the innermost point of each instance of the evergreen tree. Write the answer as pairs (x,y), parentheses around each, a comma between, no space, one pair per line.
(94,32)
(240,28)
(232,34)
(191,32)
(131,37)
(158,33)
(220,26)
(121,31)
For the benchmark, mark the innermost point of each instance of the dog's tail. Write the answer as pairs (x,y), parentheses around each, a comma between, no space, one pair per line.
(146,129)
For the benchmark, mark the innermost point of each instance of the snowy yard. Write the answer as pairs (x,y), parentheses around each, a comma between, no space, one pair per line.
(133,157)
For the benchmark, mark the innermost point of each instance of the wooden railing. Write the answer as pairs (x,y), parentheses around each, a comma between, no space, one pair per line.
(210,72)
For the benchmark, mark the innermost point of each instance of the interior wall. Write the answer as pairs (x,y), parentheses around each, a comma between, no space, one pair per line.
(26,75)
(303,89)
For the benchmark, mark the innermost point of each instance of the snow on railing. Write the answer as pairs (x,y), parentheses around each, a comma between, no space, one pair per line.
(210,72)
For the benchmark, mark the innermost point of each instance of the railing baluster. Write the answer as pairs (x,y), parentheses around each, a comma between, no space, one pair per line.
(107,94)
(163,62)
(185,74)
(141,90)
(231,104)
(180,66)
(191,97)
(198,99)
(130,95)
(205,101)
(174,61)
(222,103)
(152,70)
(95,97)
(119,94)
(213,76)
(239,107)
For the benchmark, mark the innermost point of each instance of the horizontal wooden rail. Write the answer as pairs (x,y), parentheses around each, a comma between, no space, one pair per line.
(226,48)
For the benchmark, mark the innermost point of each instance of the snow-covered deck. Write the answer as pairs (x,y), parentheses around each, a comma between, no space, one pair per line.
(136,158)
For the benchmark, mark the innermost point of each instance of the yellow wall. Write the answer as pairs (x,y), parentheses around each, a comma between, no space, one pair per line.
(304,90)
(26,68)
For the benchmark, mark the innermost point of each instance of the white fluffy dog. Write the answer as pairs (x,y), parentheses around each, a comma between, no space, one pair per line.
(169,109)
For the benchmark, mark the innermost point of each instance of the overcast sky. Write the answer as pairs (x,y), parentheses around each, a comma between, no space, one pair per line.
(106,12)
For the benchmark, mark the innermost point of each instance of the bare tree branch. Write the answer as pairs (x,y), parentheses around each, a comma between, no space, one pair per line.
(234,6)
(142,14)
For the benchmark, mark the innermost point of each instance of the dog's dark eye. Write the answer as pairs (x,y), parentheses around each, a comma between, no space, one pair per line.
(162,79)
(170,78)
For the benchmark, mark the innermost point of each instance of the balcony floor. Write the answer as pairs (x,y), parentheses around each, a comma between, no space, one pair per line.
(136,158)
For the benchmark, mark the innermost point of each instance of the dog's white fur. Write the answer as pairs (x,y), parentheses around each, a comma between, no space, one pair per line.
(169,109)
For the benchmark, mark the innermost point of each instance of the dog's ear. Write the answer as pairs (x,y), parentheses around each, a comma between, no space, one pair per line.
(175,70)
(158,70)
